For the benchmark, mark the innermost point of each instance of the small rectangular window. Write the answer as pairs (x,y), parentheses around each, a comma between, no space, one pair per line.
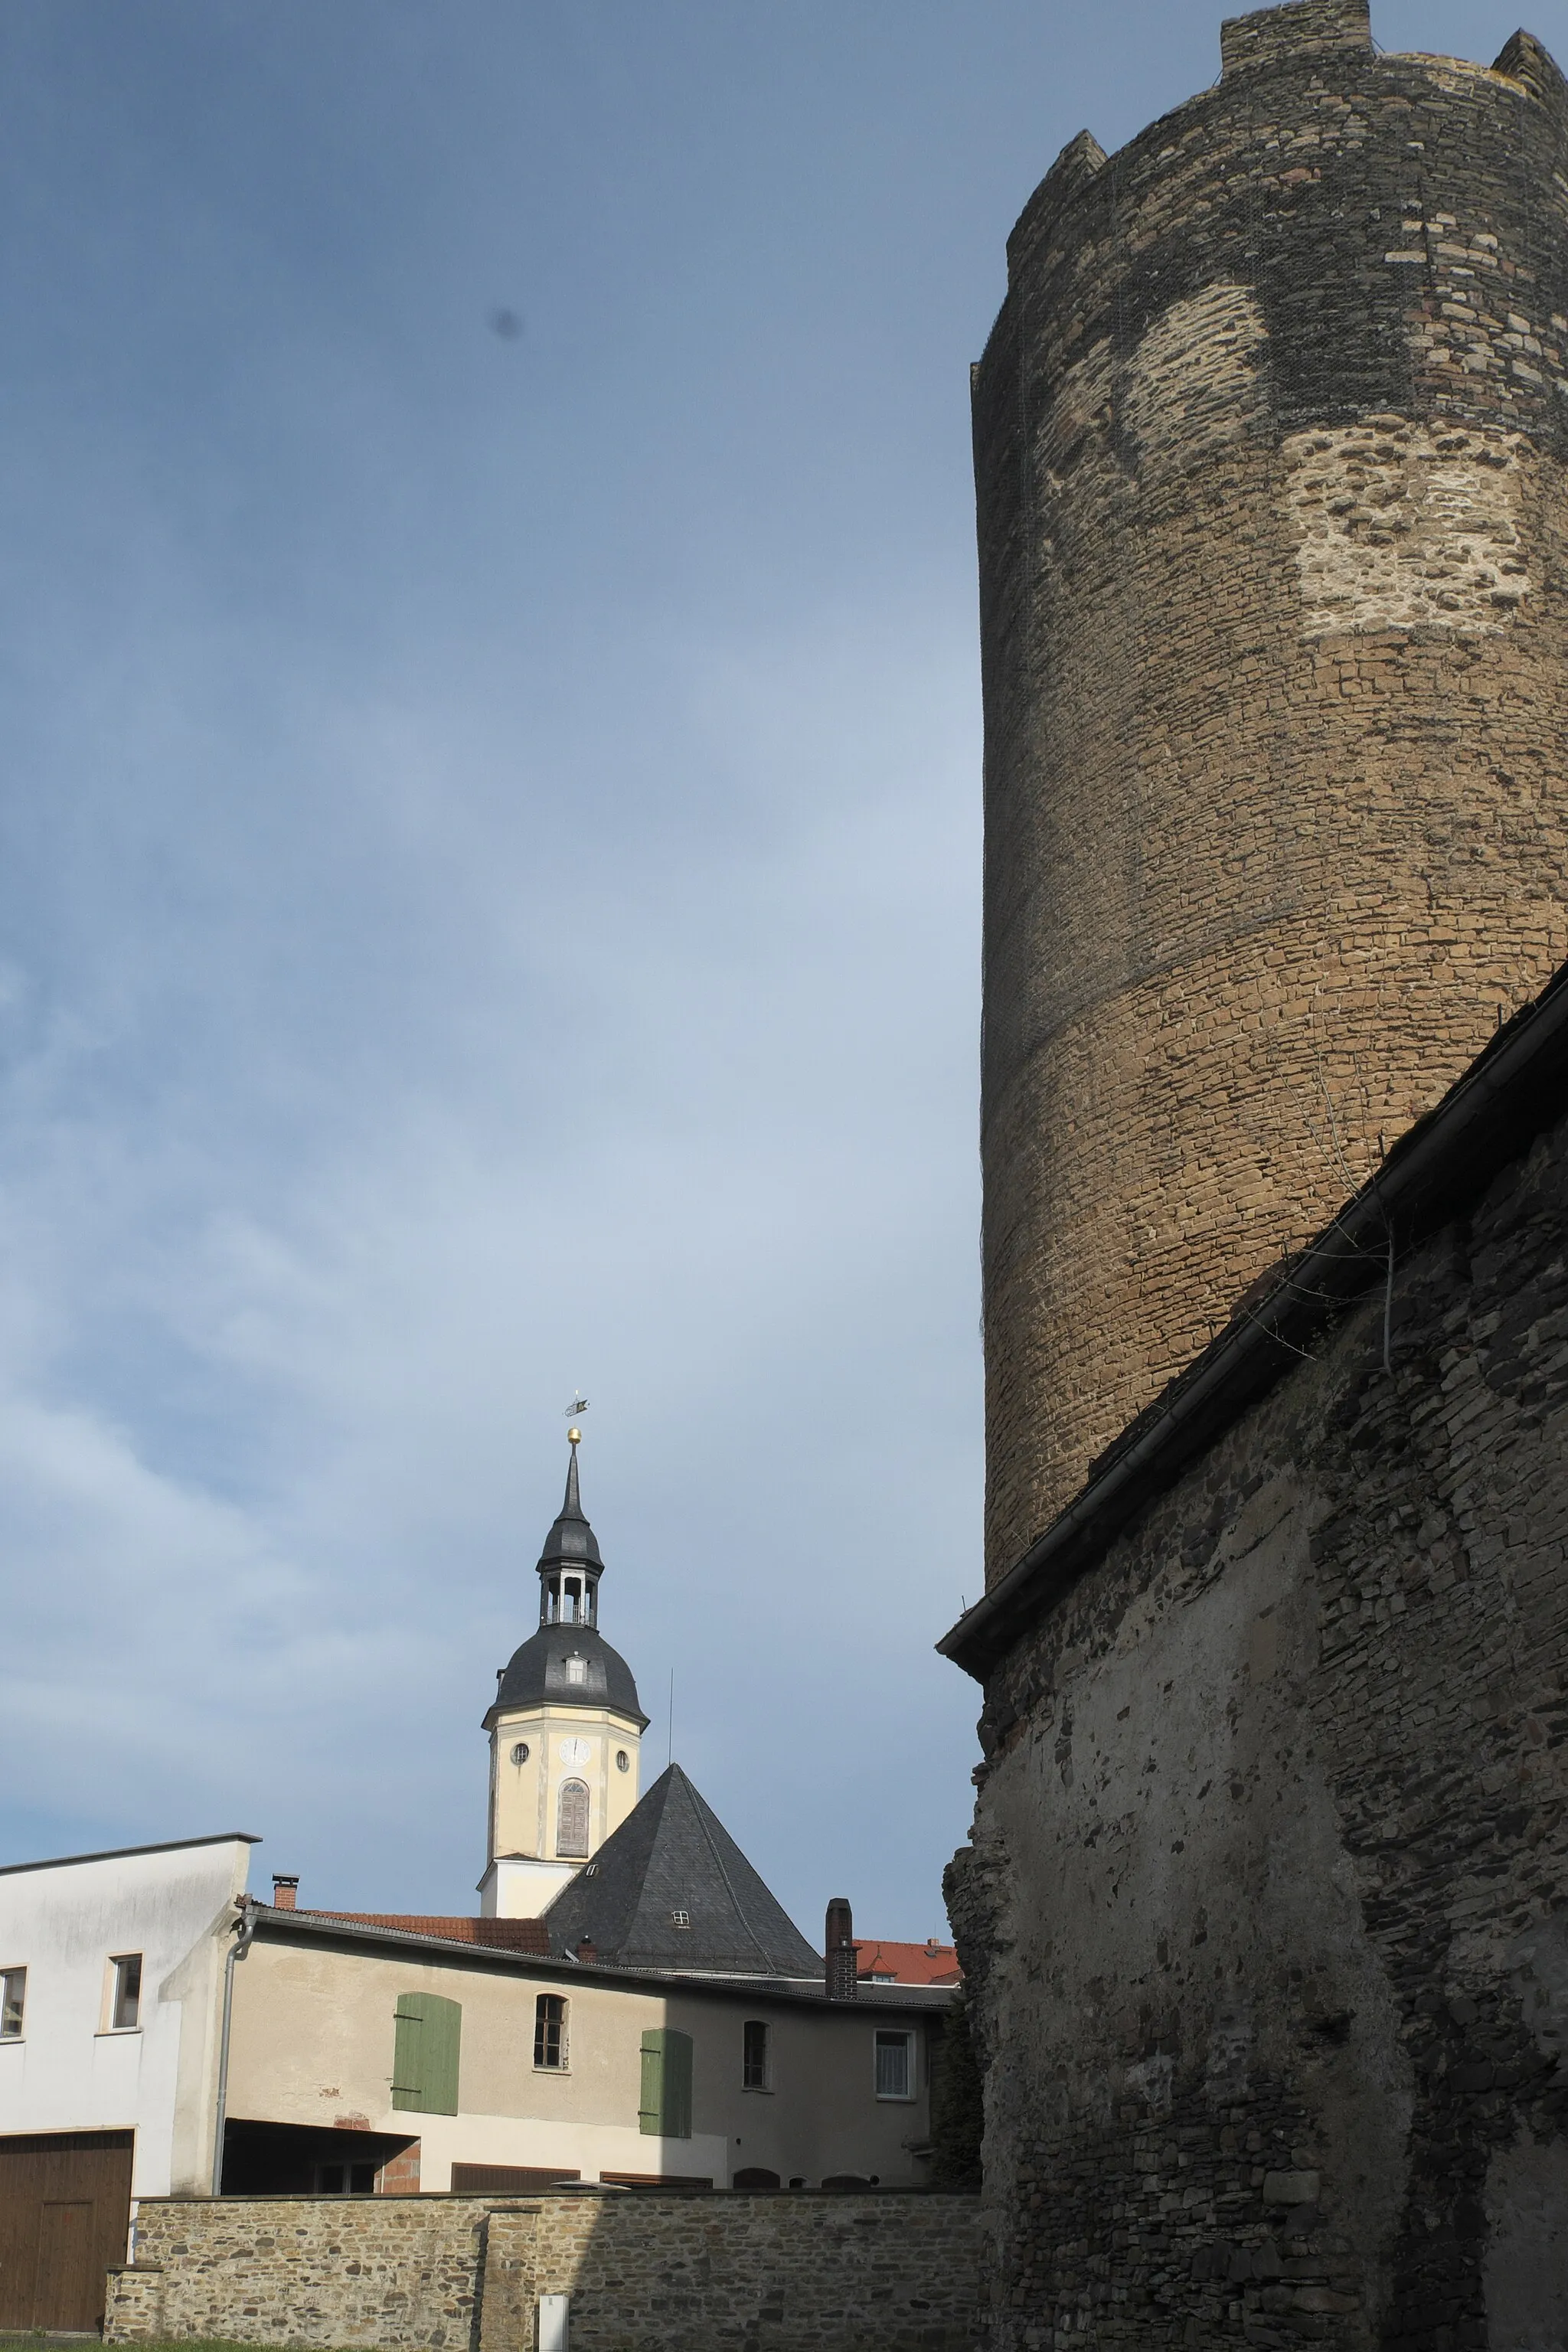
(895,2065)
(125,2000)
(550,2030)
(13,2002)
(753,2055)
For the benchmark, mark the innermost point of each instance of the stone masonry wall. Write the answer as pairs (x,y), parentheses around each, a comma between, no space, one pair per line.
(1265,1913)
(1271,450)
(646,2273)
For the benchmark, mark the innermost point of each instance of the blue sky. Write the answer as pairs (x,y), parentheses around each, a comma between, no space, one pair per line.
(489,892)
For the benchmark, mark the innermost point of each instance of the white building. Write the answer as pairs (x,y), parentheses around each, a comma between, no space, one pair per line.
(111,1969)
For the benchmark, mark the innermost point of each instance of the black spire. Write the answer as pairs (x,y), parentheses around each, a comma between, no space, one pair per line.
(568,1661)
(569,1566)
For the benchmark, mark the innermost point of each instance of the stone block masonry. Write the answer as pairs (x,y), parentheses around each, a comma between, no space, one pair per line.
(1271,451)
(1265,1912)
(646,2272)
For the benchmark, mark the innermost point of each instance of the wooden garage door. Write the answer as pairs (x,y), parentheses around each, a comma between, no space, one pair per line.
(65,2209)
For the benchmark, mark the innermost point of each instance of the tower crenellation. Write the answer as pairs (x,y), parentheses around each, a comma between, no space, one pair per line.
(1270,447)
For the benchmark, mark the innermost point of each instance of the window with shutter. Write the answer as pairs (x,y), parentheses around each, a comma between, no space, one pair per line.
(754,2055)
(664,2109)
(427,2043)
(650,2105)
(571,1819)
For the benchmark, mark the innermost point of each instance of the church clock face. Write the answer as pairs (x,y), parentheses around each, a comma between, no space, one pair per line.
(575,1751)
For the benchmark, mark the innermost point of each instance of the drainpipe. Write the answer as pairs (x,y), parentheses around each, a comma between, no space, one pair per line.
(246,1929)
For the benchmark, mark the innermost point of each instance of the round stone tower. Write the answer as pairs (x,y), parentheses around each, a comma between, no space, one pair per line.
(1271,445)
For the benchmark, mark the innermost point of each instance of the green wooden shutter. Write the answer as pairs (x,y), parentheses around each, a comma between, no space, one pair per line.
(664,2109)
(650,2107)
(676,2084)
(428,2034)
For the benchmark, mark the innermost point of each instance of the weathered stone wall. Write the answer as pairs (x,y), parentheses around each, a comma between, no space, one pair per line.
(1271,445)
(646,2273)
(389,2270)
(1265,1915)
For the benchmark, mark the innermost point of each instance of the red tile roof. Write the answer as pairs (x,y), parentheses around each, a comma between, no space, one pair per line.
(501,1935)
(922,1964)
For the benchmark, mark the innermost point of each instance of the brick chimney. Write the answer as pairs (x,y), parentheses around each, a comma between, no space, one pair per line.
(587,1949)
(284,1891)
(842,1981)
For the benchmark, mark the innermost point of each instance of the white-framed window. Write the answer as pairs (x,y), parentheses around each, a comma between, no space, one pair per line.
(576,1670)
(124,2002)
(13,2003)
(756,2057)
(550,2046)
(894,2063)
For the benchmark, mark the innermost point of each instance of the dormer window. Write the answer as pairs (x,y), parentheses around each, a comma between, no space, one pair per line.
(576,1670)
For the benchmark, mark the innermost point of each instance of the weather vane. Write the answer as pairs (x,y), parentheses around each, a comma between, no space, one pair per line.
(579,1404)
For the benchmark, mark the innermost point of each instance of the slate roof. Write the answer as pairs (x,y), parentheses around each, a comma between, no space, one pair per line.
(571,1542)
(672,1857)
(538,1672)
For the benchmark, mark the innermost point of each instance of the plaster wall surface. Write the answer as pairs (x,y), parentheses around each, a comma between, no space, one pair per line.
(313,2043)
(70,2071)
(565,1743)
(1264,1912)
(644,2274)
(1270,443)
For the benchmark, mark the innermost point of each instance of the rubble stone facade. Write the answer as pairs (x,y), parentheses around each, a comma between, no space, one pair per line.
(1271,445)
(646,2273)
(1265,1912)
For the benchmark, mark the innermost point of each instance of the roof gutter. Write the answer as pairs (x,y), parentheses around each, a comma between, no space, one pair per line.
(1514,1090)
(286,1926)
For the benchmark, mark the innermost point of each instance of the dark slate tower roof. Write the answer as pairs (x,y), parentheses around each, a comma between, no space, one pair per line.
(571,1542)
(673,1859)
(569,1569)
(537,1674)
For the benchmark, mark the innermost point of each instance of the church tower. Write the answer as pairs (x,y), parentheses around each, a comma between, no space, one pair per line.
(565,1731)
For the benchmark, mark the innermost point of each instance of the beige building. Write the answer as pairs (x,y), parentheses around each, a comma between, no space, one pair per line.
(365,2056)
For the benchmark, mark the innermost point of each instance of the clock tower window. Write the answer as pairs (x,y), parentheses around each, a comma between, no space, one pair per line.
(572,1820)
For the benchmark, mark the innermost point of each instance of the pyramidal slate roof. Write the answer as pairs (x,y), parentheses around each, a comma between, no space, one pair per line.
(672,1860)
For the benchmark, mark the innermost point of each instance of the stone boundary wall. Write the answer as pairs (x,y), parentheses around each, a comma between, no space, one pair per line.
(646,2272)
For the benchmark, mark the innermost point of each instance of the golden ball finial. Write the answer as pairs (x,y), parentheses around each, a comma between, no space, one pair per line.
(573,1437)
